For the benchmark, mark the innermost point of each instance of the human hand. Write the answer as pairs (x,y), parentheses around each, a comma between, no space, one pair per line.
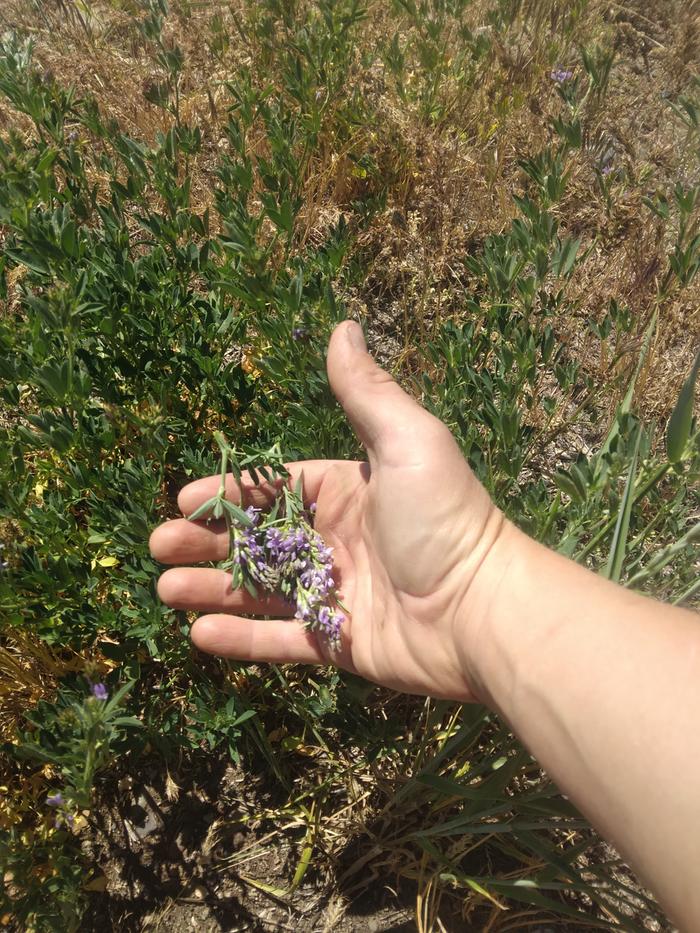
(418,547)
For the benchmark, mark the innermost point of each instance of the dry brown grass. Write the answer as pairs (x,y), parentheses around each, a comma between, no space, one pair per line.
(29,672)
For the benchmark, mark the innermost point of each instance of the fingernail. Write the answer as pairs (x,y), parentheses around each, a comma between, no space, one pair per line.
(355,336)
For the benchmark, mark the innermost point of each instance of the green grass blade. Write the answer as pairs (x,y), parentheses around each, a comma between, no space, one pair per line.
(618,548)
(691,591)
(681,419)
(626,404)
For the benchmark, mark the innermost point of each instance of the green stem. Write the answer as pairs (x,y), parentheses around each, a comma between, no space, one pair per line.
(609,525)
(87,776)
(224,468)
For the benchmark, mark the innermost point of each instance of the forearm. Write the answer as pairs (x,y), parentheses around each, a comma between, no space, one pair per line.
(603,686)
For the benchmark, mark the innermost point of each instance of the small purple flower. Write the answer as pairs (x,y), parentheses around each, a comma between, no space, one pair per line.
(330,621)
(561,75)
(55,800)
(273,542)
(606,169)
(299,333)
(99,691)
(249,553)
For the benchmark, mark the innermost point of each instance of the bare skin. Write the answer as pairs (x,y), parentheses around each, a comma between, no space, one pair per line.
(446,598)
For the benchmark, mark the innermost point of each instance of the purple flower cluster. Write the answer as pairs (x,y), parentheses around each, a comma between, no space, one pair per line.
(305,567)
(294,560)
(249,552)
(560,75)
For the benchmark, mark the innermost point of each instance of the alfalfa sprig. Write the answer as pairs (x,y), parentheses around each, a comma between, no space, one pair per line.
(278,551)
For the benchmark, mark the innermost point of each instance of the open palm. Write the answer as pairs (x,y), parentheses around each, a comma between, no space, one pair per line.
(412,531)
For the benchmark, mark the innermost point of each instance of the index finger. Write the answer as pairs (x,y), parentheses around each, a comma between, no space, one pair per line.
(262,495)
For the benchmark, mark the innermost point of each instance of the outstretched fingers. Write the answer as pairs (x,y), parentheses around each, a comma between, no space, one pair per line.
(204,589)
(277,641)
(183,542)
(195,494)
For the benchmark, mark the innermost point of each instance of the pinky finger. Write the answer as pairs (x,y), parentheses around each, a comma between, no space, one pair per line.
(277,641)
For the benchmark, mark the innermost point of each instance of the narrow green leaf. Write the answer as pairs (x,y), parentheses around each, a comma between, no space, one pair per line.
(681,420)
(564,482)
(263,886)
(237,513)
(33,262)
(204,509)
(450,788)
(304,862)
(29,750)
(691,591)
(244,717)
(626,405)
(128,721)
(68,239)
(250,586)
(117,698)
(618,548)
(564,258)
(274,512)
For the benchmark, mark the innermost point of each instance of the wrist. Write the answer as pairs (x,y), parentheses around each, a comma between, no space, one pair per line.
(539,609)
(500,630)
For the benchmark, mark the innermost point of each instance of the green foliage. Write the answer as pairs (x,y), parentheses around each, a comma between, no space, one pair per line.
(213,722)
(680,424)
(79,738)
(43,884)
(492,367)
(137,324)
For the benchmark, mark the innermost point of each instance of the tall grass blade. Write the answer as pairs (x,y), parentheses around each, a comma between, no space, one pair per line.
(618,548)
(626,404)
(682,417)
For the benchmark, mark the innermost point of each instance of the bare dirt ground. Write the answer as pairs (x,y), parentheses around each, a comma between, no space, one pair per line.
(176,860)
(179,861)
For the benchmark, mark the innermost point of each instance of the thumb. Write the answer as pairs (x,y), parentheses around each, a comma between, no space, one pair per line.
(378,409)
